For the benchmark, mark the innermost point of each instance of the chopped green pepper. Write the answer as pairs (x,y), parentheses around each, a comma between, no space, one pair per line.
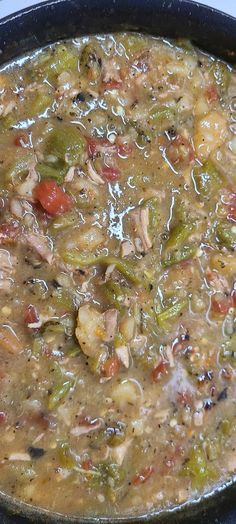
(171,312)
(221,74)
(62,221)
(226,235)
(58,394)
(153,205)
(160,116)
(207,179)
(66,143)
(65,456)
(55,171)
(177,237)
(175,257)
(125,267)
(90,63)
(38,104)
(114,293)
(197,467)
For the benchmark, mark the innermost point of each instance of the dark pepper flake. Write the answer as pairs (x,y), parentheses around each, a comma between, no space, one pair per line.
(36,453)
(205,377)
(208,404)
(80,97)
(222,395)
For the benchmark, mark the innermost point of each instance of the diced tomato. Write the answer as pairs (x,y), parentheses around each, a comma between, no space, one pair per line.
(86,464)
(111,367)
(180,150)
(124,148)
(92,146)
(52,197)
(30,315)
(212,94)
(143,476)
(99,145)
(111,84)
(9,232)
(111,174)
(160,370)
(3,417)
(220,305)
(22,140)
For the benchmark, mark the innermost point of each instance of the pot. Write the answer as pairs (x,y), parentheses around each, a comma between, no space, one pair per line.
(213,32)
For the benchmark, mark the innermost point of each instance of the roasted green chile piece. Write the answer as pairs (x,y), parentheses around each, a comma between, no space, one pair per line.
(134,44)
(90,63)
(226,234)
(161,116)
(221,74)
(65,456)
(198,468)
(207,179)
(17,168)
(37,105)
(62,221)
(55,170)
(171,313)
(55,61)
(153,205)
(175,250)
(65,142)
(178,256)
(125,267)
(112,477)
(63,297)
(114,293)
(177,236)
(58,394)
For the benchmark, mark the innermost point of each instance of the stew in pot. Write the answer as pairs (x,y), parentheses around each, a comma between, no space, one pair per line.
(117,275)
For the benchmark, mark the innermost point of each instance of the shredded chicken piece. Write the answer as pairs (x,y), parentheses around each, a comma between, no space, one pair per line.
(19,456)
(7,263)
(26,188)
(70,174)
(118,453)
(19,207)
(140,217)
(95,328)
(86,427)
(127,248)
(9,341)
(8,108)
(123,355)
(109,272)
(111,71)
(90,330)
(93,174)
(40,244)
(110,324)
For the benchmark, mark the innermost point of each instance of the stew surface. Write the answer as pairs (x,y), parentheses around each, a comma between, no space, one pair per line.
(117,275)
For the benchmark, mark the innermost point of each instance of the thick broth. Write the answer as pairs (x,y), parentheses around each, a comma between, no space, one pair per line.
(117,275)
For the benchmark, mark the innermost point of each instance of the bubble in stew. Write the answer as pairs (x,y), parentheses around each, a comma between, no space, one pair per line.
(117,275)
